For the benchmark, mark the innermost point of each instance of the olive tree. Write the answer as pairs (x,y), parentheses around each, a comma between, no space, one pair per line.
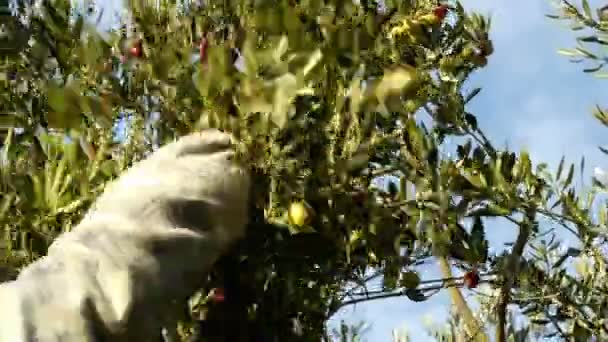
(341,110)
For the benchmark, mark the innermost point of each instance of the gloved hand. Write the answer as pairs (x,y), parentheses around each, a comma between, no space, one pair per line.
(145,244)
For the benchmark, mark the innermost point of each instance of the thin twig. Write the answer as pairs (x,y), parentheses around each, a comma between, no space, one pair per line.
(400,293)
(561,219)
(587,21)
(556,325)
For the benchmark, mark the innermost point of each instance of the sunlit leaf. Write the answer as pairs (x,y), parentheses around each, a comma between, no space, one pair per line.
(586,9)
(395,81)
(569,177)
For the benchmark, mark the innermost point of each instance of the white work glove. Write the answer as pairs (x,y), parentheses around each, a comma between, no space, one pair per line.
(145,244)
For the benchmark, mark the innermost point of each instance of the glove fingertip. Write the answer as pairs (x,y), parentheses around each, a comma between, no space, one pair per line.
(208,141)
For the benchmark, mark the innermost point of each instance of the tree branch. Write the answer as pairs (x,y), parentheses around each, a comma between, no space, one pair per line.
(473,327)
(525,229)
(374,295)
(587,21)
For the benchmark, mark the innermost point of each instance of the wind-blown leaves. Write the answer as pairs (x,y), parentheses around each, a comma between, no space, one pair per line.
(325,105)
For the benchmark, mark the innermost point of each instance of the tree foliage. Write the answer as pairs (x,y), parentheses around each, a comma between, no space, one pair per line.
(326,98)
(561,291)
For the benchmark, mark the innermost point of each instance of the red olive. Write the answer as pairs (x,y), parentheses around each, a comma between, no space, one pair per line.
(217,295)
(441,11)
(471,279)
(203,45)
(137,49)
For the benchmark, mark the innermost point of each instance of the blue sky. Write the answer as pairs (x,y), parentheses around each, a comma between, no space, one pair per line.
(532,98)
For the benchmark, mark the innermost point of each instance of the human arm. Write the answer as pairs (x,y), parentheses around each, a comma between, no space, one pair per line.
(145,244)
